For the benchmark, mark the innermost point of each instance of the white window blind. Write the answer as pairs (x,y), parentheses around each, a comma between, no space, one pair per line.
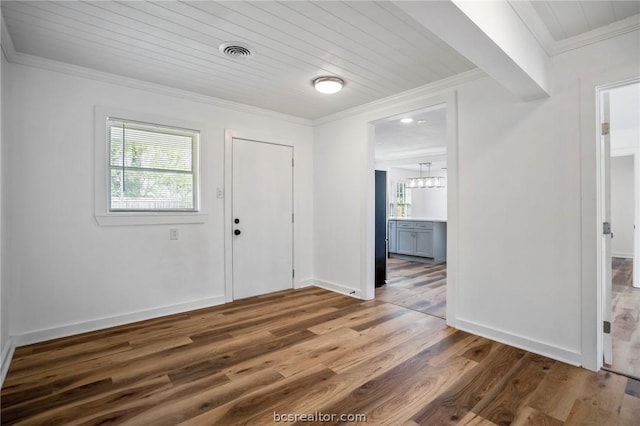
(151,167)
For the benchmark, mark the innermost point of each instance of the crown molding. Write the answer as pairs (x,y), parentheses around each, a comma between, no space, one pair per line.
(540,32)
(92,74)
(415,94)
(534,24)
(615,29)
(5,40)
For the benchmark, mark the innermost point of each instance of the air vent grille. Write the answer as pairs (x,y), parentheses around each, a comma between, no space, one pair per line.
(236,50)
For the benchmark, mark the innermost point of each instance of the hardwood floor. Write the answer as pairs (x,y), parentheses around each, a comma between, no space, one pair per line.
(416,286)
(626,319)
(303,351)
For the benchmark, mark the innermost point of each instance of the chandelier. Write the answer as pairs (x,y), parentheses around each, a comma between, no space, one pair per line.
(427,181)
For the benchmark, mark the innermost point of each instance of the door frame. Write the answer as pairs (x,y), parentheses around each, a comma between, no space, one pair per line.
(601,287)
(449,100)
(229,136)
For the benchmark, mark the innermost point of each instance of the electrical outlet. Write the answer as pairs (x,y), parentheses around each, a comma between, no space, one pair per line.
(220,192)
(173,234)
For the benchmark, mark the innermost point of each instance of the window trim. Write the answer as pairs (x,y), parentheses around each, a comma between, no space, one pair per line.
(106,217)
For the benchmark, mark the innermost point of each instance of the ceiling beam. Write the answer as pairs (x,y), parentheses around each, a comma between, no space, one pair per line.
(492,36)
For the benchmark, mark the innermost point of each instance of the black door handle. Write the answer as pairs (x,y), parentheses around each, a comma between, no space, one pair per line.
(236,220)
(237,232)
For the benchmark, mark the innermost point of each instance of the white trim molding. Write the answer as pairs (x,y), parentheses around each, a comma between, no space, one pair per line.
(7,42)
(304,283)
(540,348)
(102,323)
(614,29)
(101,175)
(7,356)
(540,32)
(339,288)
(105,77)
(413,95)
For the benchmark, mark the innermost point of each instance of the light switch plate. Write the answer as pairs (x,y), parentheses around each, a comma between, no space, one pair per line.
(173,234)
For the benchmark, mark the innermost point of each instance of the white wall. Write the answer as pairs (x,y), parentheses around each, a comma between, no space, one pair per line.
(67,273)
(625,117)
(425,202)
(430,202)
(622,205)
(339,164)
(520,275)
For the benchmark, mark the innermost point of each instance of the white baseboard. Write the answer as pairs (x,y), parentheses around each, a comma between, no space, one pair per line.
(7,356)
(338,288)
(540,348)
(304,283)
(102,323)
(622,255)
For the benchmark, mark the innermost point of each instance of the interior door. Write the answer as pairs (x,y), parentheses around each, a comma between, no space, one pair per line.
(607,233)
(262,215)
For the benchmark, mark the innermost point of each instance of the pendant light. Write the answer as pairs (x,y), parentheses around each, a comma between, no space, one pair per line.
(426,182)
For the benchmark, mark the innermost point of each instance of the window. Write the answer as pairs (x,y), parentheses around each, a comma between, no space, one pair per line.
(152,168)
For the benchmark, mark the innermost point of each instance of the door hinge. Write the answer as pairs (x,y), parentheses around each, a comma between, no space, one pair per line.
(606,327)
(293,273)
(292,163)
(293,219)
(604,129)
(606,228)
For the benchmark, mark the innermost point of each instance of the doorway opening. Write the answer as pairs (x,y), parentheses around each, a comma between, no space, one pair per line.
(619,203)
(411,237)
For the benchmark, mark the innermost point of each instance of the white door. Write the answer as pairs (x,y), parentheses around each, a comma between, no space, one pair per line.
(606,236)
(262,212)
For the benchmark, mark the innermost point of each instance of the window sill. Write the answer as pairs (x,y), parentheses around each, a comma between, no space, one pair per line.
(138,219)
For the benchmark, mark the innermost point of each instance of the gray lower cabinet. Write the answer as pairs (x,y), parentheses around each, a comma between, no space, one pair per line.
(419,238)
(424,243)
(406,241)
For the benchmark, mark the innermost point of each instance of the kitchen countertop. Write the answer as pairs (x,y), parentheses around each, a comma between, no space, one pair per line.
(419,219)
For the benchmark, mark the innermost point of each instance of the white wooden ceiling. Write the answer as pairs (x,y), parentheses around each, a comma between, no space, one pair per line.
(376,47)
(566,19)
(426,134)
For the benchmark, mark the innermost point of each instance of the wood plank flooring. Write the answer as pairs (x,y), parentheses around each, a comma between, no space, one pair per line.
(304,351)
(626,319)
(418,286)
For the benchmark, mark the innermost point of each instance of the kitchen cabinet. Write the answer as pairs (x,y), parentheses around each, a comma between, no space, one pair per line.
(422,239)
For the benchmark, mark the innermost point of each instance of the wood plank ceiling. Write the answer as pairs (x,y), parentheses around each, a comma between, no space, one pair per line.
(375,47)
(566,19)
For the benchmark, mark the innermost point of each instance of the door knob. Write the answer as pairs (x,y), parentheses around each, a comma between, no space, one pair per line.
(237,232)
(236,220)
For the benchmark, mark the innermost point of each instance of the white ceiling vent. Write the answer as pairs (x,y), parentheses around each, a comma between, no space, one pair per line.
(236,50)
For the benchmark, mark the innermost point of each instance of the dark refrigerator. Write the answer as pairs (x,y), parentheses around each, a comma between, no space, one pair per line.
(381,228)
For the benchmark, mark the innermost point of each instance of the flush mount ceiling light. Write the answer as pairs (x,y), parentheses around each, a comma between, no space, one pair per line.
(236,50)
(422,121)
(328,85)
(406,120)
